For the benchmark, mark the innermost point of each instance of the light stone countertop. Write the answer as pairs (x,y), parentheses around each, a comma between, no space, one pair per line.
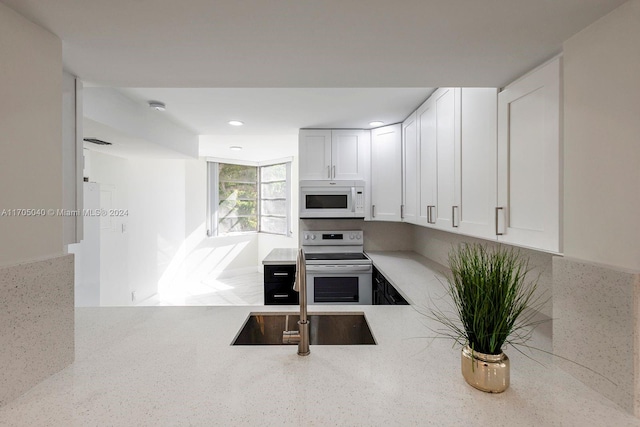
(281,256)
(161,366)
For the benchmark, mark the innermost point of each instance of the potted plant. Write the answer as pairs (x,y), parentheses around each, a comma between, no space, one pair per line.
(494,304)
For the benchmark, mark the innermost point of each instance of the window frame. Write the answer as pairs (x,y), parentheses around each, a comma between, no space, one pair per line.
(213,197)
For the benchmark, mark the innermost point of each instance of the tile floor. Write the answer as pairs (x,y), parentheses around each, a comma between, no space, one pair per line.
(241,289)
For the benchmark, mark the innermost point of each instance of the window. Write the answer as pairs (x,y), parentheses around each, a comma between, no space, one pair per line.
(274,199)
(246,198)
(237,198)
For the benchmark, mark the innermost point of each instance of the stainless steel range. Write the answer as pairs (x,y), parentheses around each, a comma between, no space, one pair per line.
(338,271)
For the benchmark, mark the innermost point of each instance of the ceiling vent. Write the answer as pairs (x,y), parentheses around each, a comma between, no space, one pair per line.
(97,141)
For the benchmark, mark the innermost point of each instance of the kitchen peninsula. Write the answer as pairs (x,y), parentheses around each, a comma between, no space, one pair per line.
(193,376)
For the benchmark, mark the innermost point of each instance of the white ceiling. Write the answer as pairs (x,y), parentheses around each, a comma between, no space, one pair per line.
(252,60)
(282,111)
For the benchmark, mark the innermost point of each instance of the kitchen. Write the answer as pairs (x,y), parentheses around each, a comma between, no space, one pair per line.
(588,235)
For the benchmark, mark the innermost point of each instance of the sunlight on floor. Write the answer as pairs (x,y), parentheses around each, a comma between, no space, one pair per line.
(243,289)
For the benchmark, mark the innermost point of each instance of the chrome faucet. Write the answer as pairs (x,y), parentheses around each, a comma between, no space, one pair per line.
(301,336)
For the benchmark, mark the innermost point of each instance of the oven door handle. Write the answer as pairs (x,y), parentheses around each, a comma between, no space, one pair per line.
(338,268)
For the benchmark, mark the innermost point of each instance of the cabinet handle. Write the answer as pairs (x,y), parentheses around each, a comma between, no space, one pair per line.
(373,211)
(334,171)
(430,214)
(453,216)
(498,208)
(280,274)
(401,211)
(280,296)
(329,172)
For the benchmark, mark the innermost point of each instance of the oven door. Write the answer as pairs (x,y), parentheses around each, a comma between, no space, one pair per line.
(339,284)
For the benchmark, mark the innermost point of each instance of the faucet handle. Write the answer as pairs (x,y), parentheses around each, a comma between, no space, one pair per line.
(300,270)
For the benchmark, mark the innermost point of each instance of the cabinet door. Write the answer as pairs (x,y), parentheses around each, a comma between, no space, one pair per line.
(315,154)
(447,104)
(426,121)
(349,154)
(476,159)
(528,210)
(386,173)
(410,170)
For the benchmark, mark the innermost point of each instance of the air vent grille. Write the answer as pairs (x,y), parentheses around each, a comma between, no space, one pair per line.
(97,141)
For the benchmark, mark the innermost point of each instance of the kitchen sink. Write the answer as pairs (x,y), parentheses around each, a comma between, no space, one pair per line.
(324,329)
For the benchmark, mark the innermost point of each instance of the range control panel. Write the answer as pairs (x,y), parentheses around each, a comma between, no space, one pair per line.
(333,238)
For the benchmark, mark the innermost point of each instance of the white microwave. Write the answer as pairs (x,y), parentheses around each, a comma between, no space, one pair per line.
(331,199)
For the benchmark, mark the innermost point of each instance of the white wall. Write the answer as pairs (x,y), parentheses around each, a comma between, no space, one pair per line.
(601,140)
(30,138)
(36,298)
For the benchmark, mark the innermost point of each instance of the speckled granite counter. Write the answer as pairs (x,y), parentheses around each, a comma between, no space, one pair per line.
(281,256)
(175,366)
(417,278)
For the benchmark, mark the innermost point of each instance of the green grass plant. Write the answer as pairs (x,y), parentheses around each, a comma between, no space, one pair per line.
(492,296)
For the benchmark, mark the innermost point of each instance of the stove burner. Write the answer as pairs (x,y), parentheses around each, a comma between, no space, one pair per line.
(335,256)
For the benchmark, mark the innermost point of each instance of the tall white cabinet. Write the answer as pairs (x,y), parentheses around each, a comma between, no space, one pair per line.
(386,173)
(334,154)
(528,208)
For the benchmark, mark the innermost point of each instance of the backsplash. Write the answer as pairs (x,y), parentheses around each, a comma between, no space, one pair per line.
(378,235)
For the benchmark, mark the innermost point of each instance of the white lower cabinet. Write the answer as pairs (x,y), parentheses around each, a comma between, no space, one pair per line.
(528,208)
(386,173)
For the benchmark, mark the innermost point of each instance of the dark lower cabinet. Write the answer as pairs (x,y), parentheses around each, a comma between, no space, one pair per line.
(384,293)
(278,285)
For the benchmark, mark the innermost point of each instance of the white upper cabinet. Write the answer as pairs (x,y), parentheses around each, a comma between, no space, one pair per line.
(334,154)
(349,153)
(386,173)
(447,133)
(528,208)
(476,159)
(315,154)
(410,170)
(426,126)
(438,124)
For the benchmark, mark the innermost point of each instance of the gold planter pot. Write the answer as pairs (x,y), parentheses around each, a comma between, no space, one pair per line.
(486,372)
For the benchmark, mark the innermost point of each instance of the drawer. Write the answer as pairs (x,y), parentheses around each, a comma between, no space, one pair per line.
(277,293)
(279,273)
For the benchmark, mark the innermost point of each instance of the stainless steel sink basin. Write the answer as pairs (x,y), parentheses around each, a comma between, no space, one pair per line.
(324,329)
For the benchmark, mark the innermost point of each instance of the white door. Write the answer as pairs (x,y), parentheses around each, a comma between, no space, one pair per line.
(476,159)
(447,103)
(349,154)
(386,173)
(528,210)
(426,121)
(410,171)
(315,154)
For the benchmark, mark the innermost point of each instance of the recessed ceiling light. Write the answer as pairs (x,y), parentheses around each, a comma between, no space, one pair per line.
(376,123)
(235,148)
(157,105)
(235,123)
